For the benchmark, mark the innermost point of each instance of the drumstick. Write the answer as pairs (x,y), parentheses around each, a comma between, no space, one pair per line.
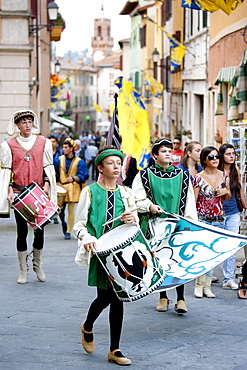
(117,218)
(89,256)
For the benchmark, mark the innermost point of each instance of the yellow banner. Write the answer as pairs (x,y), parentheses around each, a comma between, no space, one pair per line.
(155,86)
(133,125)
(228,6)
(97,107)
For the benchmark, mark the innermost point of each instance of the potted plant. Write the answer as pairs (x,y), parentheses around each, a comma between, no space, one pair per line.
(57,28)
(187,133)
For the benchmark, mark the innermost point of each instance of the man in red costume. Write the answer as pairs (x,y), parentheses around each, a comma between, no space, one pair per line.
(25,158)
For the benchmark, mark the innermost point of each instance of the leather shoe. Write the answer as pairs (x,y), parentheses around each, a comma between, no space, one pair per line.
(163,304)
(180,307)
(88,346)
(117,357)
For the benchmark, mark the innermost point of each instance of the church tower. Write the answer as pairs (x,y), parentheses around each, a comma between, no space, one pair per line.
(102,42)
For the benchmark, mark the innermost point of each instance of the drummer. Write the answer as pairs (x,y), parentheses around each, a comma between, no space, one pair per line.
(164,187)
(24,159)
(100,202)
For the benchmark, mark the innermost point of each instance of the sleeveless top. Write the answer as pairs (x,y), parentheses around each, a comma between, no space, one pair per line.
(27,166)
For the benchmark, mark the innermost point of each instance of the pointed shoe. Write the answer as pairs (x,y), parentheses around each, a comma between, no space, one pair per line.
(88,346)
(180,307)
(118,358)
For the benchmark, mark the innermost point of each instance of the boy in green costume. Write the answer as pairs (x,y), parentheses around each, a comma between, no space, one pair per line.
(164,187)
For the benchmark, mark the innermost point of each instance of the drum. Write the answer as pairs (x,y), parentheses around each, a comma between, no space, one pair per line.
(131,266)
(35,206)
(61,192)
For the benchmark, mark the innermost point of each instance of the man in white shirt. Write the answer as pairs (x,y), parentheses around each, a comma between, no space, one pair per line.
(26,158)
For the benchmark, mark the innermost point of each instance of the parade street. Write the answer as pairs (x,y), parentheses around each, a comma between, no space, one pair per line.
(40,322)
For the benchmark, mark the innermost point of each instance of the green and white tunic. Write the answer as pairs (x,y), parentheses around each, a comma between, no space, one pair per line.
(171,190)
(96,206)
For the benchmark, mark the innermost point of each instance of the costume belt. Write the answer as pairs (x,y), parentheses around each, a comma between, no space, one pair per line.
(211,218)
(18,187)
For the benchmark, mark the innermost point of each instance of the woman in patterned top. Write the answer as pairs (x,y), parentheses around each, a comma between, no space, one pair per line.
(211,188)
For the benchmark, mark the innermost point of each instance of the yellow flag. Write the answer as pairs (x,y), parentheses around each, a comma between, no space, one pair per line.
(133,124)
(228,6)
(155,86)
(112,106)
(97,107)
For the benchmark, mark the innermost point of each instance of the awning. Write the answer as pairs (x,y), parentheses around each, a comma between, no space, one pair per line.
(62,121)
(225,75)
(103,126)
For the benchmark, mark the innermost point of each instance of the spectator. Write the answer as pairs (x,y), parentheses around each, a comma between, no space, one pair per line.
(177,152)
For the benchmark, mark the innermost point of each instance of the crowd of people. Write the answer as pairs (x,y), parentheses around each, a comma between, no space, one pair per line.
(197,183)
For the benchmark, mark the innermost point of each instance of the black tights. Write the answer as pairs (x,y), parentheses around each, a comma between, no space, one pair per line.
(22,230)
(180,293)
(104,298)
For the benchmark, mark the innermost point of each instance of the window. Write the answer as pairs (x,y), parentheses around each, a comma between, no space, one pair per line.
(137,81)
(99,30)
(80,101)
(91,80)
(76,101)
(143,31)
(86,101)
(168,9)
(204,19)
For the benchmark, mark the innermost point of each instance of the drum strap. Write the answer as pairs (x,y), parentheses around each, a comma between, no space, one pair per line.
(18,187)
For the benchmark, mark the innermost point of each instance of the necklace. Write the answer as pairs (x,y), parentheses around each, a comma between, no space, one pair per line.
(105,187)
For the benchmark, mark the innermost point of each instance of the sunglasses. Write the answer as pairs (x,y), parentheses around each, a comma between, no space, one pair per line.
(211,157)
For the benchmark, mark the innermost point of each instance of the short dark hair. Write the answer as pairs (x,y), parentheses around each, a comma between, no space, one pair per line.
(161,142)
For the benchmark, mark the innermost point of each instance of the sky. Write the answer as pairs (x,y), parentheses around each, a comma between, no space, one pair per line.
(79,16)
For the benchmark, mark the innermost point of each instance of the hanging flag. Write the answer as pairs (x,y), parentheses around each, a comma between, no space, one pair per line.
(97,107)
(133,124)
(228,6)
(155,86)
(112,106)
(191,4)
(113,137)
(177,50)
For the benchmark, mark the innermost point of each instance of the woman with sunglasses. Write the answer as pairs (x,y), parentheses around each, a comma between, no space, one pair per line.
(211,187)
(232,208)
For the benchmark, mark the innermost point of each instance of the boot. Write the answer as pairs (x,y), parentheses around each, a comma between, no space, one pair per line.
(37,254)
(22,258)
(64,227)
(207,288)
(163,304)
(199,285)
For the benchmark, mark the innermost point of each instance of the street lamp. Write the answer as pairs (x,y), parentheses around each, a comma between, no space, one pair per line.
(155,56)
(52,9)
(57,67)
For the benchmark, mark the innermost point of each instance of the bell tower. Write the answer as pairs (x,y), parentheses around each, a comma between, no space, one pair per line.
(102,42)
